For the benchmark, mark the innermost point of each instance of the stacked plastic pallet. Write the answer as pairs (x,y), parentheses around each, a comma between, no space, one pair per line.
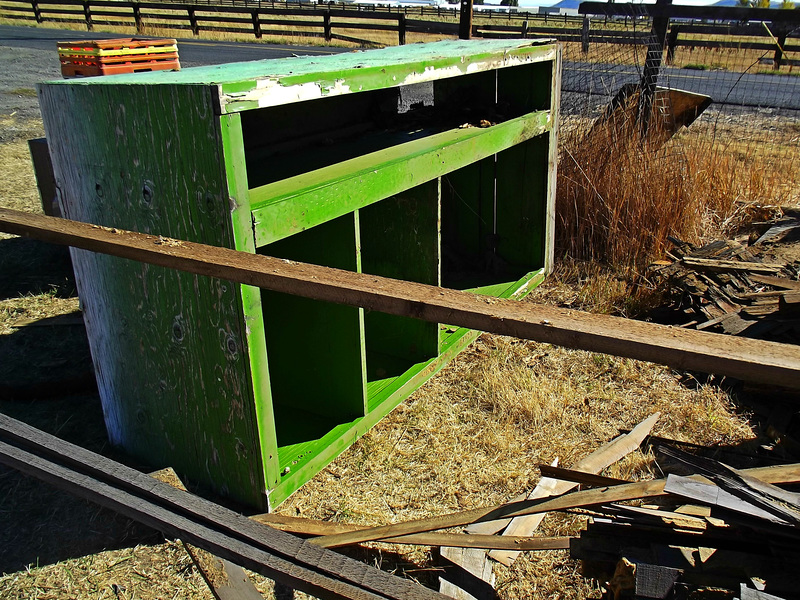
(91,58)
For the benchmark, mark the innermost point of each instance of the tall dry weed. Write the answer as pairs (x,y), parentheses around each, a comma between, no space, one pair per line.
(619,198)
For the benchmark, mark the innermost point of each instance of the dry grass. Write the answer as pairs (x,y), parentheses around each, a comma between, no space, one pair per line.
(620,198)
(18,183)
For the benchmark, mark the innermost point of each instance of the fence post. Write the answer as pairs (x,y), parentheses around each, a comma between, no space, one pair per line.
(137,17)
(465,20)
(778,57)
(672,42)
(193,21)
(401,29)
(326,25)
(524,29)
(256,23)
(652,65)
(36,12)
(87,15)
(585,35)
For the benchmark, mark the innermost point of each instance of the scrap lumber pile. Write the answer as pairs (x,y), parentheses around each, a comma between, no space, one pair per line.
(724,287)
(739,532)
(728,533)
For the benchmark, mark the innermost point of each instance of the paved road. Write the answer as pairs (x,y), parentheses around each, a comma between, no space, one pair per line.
(192,52)
(748,89)
(776,91)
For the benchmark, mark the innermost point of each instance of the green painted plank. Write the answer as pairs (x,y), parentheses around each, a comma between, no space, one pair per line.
(400,239)
(526,88)
(254,84)
(305,460)
(522,180)
(286,207)
(316,349)
(253,321)
(169,347)
(467,223)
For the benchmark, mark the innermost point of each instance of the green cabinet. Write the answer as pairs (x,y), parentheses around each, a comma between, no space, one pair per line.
(432,163)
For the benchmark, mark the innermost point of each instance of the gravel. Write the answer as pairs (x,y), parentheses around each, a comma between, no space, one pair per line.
(22,69)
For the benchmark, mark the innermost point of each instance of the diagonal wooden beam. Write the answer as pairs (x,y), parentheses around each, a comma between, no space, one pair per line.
(619,493)
(742,358)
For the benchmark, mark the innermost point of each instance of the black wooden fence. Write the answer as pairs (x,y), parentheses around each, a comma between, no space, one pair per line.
(600,23)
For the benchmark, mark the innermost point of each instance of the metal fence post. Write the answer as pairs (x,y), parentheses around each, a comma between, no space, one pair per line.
(652,65)
(672,42)
(465,20)
(778,57)
(137,17)
(193,21)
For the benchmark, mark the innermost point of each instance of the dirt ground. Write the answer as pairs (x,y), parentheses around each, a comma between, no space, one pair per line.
(470,437)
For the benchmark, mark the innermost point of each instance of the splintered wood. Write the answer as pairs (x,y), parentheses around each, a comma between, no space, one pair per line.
(723,287)
(725,531)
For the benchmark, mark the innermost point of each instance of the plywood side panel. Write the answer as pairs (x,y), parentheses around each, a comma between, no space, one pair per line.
(522,181)
(316,349)
(400,239)
(168,347)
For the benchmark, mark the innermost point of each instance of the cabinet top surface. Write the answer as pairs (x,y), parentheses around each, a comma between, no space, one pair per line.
(272,82)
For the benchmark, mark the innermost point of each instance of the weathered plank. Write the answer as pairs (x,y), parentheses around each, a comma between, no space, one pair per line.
(595,462)
(469,576)
(732,265)
(767,362)
(715,496)
(772,499)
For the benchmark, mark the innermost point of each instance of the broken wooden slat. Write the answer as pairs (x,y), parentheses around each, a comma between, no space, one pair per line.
(713,495)
(670,518)
(579,476)
(778,502)
(778,282)
(732,265)
(472,577)
(595,462)
(746,359)
(629,491)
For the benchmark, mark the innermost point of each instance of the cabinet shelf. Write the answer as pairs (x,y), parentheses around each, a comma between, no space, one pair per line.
(356,161)
(291,205)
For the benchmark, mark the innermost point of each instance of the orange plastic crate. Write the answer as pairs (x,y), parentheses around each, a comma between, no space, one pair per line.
(91,58)
(70,70)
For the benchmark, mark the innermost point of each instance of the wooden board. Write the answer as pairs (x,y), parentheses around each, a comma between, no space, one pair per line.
(776,364)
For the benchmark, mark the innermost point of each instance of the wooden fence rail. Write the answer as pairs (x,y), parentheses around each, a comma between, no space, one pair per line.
(767,30)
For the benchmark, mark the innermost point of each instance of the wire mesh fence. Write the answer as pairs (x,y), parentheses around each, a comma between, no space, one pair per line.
(718,141)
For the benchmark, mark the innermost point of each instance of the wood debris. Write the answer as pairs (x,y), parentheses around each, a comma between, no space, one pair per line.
(734,534)
(723,287)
